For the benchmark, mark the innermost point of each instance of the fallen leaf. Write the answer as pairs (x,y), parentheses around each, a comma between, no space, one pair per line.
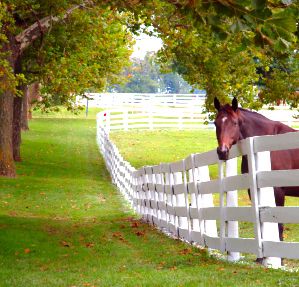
(89,244)
(161,265)
(140,233)
(65,244)
(185,251)
(135,224)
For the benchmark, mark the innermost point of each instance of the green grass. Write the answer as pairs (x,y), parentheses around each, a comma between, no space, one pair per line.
(153,147)
(64,113)
(62,223)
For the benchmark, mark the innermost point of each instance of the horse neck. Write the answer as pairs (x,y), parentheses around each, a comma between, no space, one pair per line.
(254,124)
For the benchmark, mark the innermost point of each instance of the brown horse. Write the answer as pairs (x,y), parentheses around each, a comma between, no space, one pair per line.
(234,124)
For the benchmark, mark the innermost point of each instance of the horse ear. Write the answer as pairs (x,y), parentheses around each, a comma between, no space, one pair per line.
(235,104)
(216,104)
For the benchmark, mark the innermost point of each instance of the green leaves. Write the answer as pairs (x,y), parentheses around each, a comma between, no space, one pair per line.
(258,4)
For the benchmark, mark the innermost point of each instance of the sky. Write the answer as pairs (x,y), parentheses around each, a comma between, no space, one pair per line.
(145,43)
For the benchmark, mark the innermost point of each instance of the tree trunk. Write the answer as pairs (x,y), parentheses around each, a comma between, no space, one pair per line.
(7,165)
(16,133)
(24,121)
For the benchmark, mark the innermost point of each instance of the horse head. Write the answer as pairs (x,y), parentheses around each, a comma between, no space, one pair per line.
(227,127)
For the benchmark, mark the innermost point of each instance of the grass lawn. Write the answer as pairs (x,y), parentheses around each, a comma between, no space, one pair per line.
(62,223)
(153,147)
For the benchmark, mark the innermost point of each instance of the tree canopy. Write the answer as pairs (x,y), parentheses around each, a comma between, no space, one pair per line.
(72,45)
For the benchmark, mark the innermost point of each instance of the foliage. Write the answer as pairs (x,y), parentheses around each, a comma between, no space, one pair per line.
(219,67)
(265,23)
(85,53)
(282,82)
(145,76)
(214,44)
(227,32)
(78,52)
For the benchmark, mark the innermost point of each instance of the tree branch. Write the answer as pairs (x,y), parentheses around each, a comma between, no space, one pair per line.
(27,36)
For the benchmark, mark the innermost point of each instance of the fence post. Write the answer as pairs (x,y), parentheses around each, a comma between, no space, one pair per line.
(269,230)
(107,121)
(126,120)
(163,197)
(232,200)
(169,198)
(221,205)
(196,201)
(254,196)
(208,227)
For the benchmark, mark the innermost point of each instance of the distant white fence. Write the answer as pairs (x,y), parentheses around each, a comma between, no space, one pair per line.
(109,100)
(149,118)
(178,197)
(191,102)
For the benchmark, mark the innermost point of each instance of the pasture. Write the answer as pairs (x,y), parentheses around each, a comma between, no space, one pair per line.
(64,224)
(153,147)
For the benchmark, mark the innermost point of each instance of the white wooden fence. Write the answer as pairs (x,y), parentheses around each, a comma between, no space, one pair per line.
(150,118)
(112,100)
(178,197)
(191,102)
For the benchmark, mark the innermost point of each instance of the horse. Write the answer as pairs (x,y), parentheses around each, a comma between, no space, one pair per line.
(234,124)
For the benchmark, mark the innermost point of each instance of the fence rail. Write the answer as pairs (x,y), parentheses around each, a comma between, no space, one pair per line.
(112,100)
(178,197)
(192,102)
(149,118)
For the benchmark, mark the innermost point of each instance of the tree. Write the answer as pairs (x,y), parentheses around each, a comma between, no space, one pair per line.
(232,26)
(213,44)
(145,76)
(59,60)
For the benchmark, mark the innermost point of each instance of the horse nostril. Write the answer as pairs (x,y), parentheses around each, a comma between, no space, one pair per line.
(222,153)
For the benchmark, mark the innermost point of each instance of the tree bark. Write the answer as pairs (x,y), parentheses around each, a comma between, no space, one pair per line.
(16,133)
(24,121)
(7,165)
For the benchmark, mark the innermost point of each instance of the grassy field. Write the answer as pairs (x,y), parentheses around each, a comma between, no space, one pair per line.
(62,223)
(153,147)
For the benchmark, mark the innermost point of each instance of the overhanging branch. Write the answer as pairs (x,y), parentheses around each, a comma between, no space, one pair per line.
(27,36)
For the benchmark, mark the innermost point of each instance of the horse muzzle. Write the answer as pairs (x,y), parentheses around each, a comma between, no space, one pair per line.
(222,152)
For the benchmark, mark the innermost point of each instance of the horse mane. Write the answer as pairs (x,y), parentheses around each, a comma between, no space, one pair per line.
(229,110)
(255,114)
(251,115)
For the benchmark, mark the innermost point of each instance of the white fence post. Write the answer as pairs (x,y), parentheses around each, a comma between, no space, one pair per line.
(269,230)
(108,121)
(221,204)
(196,201)
(126,120)
(232,201)
(254,196)
(208,227)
